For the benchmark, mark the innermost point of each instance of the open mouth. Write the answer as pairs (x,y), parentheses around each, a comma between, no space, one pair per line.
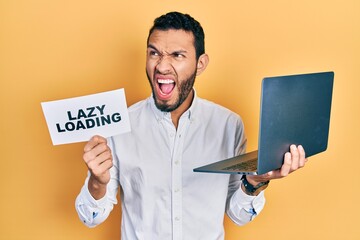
(166,87)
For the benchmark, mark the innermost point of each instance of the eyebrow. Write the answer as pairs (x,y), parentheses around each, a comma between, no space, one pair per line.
(153,47)
(174,52)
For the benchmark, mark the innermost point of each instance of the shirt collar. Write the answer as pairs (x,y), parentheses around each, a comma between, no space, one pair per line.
(161,115)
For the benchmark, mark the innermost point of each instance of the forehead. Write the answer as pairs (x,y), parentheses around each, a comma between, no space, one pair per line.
(172,40)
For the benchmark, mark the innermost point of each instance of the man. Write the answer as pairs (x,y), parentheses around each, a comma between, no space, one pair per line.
(173,132)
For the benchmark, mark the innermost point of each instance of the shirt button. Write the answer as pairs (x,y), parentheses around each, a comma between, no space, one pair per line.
(172,135)
(177,190)
(177,219)
(177,162)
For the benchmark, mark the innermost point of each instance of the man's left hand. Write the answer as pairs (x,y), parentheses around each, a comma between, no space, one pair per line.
(293,160)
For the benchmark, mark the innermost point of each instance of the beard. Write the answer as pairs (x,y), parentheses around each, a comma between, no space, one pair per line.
(184,88)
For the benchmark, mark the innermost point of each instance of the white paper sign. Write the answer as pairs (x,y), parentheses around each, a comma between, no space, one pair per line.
(78,119)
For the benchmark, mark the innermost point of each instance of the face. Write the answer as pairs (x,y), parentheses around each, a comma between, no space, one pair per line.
(171,68)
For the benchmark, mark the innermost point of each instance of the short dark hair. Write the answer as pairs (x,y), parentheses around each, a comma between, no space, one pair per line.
(181,21)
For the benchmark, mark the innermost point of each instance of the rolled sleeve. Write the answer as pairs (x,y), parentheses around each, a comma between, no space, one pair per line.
(244,208)
(91,211)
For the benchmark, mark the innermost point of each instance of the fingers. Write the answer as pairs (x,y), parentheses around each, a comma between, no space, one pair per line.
(94,148)
(298,157)
(293,160)
(303,158)
(99,169)
(295,156)
(99,155)
(95,140)
(286,167)
(98,158)
(100,151)
(256,179)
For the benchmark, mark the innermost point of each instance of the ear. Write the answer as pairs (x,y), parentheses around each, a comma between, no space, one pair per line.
(202,63)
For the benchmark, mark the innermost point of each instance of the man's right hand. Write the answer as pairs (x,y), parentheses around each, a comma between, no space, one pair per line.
(98,159)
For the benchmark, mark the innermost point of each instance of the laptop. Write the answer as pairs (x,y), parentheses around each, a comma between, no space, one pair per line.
(294,109)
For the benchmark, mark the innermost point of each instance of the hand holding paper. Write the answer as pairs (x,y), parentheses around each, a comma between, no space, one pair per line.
(98,159)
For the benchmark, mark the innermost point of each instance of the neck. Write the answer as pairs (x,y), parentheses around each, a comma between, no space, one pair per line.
(176,114)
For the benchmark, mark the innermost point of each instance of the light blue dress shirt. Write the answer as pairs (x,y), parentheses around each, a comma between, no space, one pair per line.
(161,197)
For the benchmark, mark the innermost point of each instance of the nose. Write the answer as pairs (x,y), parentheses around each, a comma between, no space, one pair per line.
(164,64)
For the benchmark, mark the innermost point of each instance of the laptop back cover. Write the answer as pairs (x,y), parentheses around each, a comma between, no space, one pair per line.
(295,109)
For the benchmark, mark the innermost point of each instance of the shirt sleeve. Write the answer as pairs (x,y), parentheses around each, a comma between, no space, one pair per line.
(240,207)
(93,212)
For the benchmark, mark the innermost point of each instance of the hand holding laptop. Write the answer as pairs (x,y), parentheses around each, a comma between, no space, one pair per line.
(293,160)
